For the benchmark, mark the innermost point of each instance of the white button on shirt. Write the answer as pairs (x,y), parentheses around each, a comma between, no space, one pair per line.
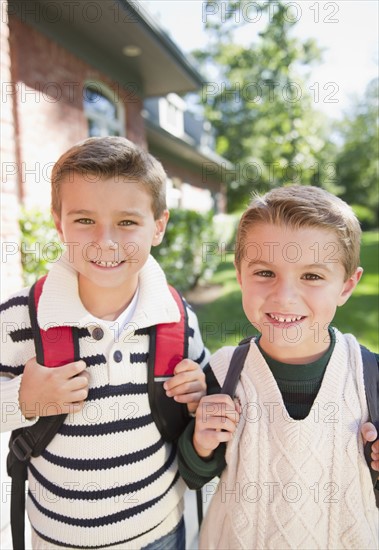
(114,334)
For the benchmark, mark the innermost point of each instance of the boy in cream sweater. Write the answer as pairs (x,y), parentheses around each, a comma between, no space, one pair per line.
(289,448)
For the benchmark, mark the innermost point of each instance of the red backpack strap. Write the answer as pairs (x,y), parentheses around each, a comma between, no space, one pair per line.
(55,346)
(168,346)
(171,344)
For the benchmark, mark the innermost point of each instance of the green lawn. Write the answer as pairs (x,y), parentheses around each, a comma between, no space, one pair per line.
(223,321)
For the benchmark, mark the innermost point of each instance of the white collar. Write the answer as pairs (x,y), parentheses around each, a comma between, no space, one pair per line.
(60,303)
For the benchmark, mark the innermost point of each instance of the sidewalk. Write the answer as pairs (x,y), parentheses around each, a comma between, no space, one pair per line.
(190,517)
(190,512)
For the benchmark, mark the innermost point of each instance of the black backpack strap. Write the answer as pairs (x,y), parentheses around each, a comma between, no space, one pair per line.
(19,474)
(371,379)
(30,442)
(229,387)
(199,503)
(23,444)
(235,367)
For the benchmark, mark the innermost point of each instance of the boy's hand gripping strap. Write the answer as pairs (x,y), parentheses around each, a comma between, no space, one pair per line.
(54,347)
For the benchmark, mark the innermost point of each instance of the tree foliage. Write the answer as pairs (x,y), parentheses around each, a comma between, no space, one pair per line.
(182,253)
(357,161)
(260,105)
(40,245)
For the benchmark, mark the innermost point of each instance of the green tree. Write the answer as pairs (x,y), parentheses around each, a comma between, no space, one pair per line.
(357,162)
(260,106)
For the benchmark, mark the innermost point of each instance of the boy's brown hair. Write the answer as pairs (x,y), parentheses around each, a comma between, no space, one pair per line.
(106,157)
(298,206)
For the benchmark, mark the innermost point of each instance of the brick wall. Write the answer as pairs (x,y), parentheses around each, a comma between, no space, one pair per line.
(42,116)
(49,95)
(10,237)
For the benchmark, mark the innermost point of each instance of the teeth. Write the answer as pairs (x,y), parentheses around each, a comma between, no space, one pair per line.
(107,264)
(285,319)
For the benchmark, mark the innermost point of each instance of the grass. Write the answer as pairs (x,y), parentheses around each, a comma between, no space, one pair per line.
(223,321)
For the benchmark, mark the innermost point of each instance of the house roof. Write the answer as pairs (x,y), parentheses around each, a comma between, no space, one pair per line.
(98,32)
(184,148)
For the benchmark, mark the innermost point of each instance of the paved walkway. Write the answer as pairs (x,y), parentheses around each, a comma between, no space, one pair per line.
(190,516)
(190,512)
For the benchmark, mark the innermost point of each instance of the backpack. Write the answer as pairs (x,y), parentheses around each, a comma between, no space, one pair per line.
(371,381)
(168,346)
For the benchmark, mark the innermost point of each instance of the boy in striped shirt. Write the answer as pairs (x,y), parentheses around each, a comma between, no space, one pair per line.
(107,479)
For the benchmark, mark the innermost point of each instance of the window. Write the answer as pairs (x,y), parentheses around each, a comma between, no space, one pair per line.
(171,110)
(104,115)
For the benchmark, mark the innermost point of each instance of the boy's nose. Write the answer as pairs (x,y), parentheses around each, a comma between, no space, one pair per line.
(285,293)
(106,240)
(109,248)
(112,245)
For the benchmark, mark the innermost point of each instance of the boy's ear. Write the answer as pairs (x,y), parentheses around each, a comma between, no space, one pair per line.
(349,286)
(58,224)
(238,274)
(160,228)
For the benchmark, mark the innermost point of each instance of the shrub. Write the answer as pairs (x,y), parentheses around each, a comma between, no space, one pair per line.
(226,229)
(189,250)
(40,246)
(365,215)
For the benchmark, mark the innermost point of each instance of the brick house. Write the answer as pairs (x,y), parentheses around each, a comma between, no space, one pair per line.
(74,69)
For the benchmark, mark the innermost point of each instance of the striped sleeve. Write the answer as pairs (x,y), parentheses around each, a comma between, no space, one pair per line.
(196,348)
(17,348)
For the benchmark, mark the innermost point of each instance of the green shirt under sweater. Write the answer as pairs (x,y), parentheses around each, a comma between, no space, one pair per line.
(298,384)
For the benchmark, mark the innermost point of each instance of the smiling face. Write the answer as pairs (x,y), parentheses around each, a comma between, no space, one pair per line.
(109,228)
(292,282)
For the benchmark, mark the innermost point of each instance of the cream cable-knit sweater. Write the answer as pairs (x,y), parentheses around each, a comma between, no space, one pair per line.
(107,478)
(295,484)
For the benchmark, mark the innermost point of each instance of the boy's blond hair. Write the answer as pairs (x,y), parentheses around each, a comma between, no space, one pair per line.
(106,157)
(298,206)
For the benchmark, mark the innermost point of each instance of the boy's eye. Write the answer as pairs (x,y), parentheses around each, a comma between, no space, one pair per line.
(127,222)
(85,221)
(265,273)
(311,277)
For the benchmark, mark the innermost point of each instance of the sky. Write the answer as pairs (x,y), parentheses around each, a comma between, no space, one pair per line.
(347,30)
